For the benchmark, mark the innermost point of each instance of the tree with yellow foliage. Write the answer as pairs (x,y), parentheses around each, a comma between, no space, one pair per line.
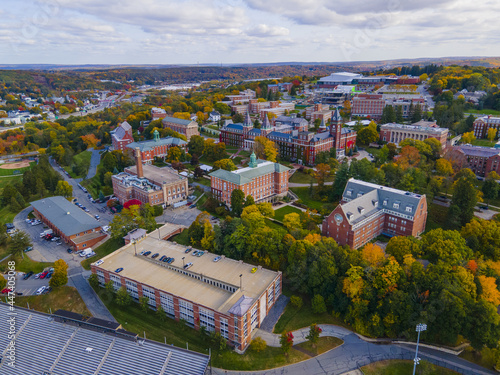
(265,149)
(444,167)
(489,289)
(492,132)
(468,137)
(373,255)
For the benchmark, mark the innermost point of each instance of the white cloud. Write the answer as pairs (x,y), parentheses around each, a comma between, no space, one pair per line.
(263,31)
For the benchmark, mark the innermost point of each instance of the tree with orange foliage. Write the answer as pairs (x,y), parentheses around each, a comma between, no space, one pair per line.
(373,255)
(472,266)
(490,292)
(90,140)
(313,238)
(408,157)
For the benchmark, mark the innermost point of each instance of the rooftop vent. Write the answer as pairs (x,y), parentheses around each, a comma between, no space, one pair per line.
(89,350)
(67,213)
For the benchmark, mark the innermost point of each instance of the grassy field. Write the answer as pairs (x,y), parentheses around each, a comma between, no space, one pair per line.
(9,180)
(25,264)
(303,194)
(293,319)
(106,248)
(324,344)
(6,216)
(182,238)
(483,111)
(135,320)
(305,178)
(401,367)
(280,213)
(483,142)
(20,171)
(486,357)
(65,297)
(436,217)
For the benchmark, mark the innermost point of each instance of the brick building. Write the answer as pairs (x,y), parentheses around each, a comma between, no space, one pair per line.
(149,184)
(294,142)
(481,160)
(75,227)
(156,147)
(396,133)
(482,124)
(368,210)
(122,136)
(226,296)
(264,180)
(158,113)
(185,127)
(368,105)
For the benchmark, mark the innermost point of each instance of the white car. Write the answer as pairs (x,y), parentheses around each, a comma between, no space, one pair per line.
(99,262)
(40,290)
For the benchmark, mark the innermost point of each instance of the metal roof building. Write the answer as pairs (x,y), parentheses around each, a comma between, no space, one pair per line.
(68,218)
(46,344)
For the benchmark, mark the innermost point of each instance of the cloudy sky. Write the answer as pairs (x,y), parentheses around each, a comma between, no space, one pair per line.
(243,31)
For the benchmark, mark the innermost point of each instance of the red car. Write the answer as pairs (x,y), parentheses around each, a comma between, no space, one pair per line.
(42,276)
(6,290)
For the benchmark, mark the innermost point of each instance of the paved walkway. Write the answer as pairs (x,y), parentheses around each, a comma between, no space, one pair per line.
(95,159)
(356,353)
(274,314)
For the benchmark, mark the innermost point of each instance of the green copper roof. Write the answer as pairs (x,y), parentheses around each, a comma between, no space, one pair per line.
(245,175)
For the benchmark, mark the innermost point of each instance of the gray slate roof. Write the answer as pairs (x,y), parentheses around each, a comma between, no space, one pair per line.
(241,306)
(69,349)
(149,145)
(69,218)
(373,198)
(478,151)
(120,131)
(245,175)
(176,120)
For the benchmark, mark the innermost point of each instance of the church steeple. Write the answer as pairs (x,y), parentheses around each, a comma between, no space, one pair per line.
(248,120)
(322,126)
(266,124)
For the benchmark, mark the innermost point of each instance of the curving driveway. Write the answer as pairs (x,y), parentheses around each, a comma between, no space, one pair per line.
(355,353)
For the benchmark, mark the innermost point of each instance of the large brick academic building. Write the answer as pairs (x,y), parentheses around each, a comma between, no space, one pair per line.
(368,210)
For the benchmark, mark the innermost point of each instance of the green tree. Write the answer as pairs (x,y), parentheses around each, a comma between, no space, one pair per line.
(286,341)
(109,288)
(160,314)
(341,177)
(318,304)
(368,135)
(292,221)
(219,343)
(465,198)
(60,276)
(196,145)
(398,113)
(313,335)
(249,201)
(226,164)
(64,188)
(174,154)
(400,246)
(296,301)
(388,115)
(122,297)
(490,189)
(144,303)
(237,201)
(20,241)
(94,281)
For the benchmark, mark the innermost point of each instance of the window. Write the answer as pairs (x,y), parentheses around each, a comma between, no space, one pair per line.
(167,303)
(186,311)
(207,319)
(386,201)
(409,209)
(224,331)
(132,288)
(150,294)
(395,205)
(117,284)
(100,277)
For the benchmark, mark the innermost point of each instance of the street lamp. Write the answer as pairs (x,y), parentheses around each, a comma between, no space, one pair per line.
(135,247)
(183,265)
(241,288)
(420,328)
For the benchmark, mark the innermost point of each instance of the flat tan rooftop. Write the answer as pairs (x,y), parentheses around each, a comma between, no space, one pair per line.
(156,174)
(172,278)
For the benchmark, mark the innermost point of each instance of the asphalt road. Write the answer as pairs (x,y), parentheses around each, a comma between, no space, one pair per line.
(94,162)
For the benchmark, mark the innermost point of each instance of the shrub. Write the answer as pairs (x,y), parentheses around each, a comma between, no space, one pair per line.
(296,301)
(258,344)
(318,304)
(122,297)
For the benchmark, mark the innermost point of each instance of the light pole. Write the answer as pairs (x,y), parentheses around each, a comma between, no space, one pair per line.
(420,328)
(183,265)
(135,247)
(241,287)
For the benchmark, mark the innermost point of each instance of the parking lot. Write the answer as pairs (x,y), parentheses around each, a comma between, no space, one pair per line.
(44,251)
(30,286)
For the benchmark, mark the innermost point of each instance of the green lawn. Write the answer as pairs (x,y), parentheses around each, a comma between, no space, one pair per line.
(373,150)
(25,264)
(64,297)
(323,345)
(303,194)
(202,181)
(436,217)
(6,216)
(483,142)
(483,111)
(182,238)
(106,248)
(401,367)
(280,213)
(9,180)
(20,171)
(293,319)
(305,178)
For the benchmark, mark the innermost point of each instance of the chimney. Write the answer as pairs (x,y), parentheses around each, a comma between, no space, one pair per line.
(138,162)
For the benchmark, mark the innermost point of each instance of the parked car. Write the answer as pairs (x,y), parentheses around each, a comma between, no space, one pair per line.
(41,290)
(192,206)
(186,266)
(58,243)
(44,274)
(216,259)
(28,221)
(37,276)
(195,253)
(55,239)
(161,258)
(254,270)
(165,259)
(70,251)
(49,275)
(28,275)
(154,256)
(118,270)
(97,217)
(187,250)
(86,209)
(6,290)
(147,253)
(171,260)
(99,262)
(48,289)
(200,253)
(29,248)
